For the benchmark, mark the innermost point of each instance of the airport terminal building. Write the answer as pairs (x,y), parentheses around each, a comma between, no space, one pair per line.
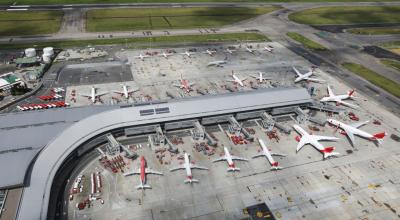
(53,139)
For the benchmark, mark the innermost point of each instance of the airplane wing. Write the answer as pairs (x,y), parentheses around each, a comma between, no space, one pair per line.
(296,71)
(347,104)
(351,137)
(150,171)
(119,92)
(219,159)
(259,155)
(135,172)
(279,155)
(86,95)
(315,79)
(198,167)
(326,138)
(132,91)
(330,92)
(100,94)
(303,141)
(239,158)
(177,168)
(256,77)
(299,130)
(359,124)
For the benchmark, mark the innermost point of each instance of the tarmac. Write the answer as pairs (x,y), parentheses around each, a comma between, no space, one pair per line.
(361,183)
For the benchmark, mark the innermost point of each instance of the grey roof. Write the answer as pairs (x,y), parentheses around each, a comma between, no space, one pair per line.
(23,134)
(35,197)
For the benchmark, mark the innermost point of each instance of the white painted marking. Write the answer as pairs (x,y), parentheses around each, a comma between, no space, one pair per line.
(20,6)
(18,9)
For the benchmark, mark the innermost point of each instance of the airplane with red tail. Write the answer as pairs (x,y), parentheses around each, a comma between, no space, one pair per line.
(187,166)
(307,138)
(143,170)
(229,158)
(339,98)
(185,85)
(268,154)
(352,129)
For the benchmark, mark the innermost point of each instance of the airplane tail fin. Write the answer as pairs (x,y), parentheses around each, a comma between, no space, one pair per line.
(327,155)
(233,169)
(351,93)
(329,152)
(143,186)
(378,137)
(191,180)
(275,166)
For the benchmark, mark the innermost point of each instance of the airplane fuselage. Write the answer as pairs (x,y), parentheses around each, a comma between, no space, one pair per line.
(237,80)
(266,152)
(229,158)
(142,170)
(310,139)
(303,77)
(187,167)
(334,98)
(125,90)
(268,49)
(249,50)
(93,95)
(353,130)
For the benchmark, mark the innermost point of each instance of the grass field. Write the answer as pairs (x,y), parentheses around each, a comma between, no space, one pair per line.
(19,23)
(387,84)
(144,41)
(306,42)
(374,30)
(347,15)
(167,18)
(391,63)
(32,2)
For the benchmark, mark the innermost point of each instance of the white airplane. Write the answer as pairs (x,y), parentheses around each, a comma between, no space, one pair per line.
(307,138)
(125,92)
(268,154)
(188,167)
(260,78)
(143,170)
(210,52)
(165,55)
(217,63)
(248,49)
(142,56)
(352,129)
(339,98)
(185,85)
(269,49)
(187,53)
(237,80)
(229,158)
(230,51)
(93,95)
(305,76)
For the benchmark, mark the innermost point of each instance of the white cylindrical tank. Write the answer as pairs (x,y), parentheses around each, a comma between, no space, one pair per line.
(30,52)
(48,51)
(46,58)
